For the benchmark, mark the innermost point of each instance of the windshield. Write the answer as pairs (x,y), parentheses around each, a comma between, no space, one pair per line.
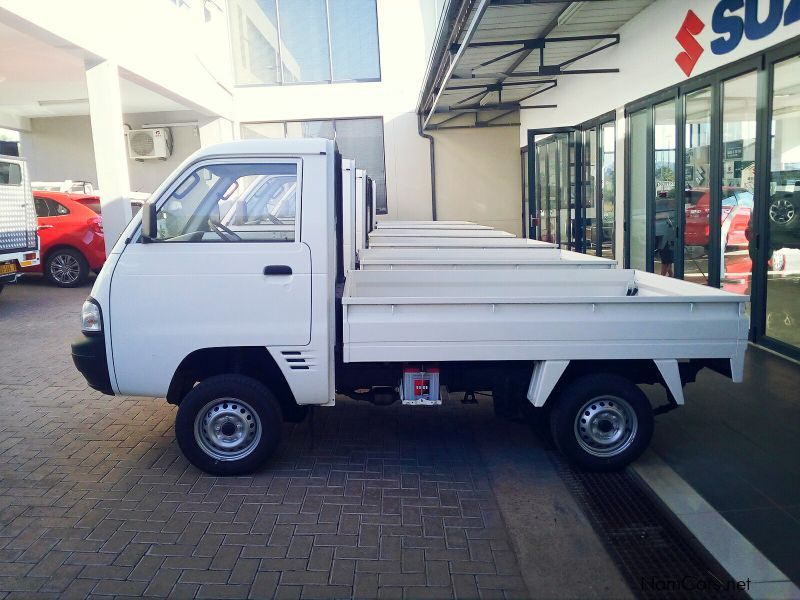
(232,202)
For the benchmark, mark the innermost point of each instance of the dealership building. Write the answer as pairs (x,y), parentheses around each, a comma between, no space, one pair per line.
(662,133)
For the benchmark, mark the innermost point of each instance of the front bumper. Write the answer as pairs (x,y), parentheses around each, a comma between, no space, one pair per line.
(89,356)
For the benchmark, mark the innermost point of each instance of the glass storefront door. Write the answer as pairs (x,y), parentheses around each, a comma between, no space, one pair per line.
(589,195)
(738,181)
(609,187)
(697,195)
(637,205)
(664,221)
(782,229)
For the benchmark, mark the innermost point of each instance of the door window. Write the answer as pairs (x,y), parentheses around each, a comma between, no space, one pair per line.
(609,184)
(738,180)
(665,210)
(697,194)
(42,209)
(637,225)
(233,203)
(783,209)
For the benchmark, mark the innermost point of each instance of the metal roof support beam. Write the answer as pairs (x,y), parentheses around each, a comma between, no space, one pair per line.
(490,107)
(613,42)
(454,58)
(538,42)
(503,84)
(534,74)
(494,119)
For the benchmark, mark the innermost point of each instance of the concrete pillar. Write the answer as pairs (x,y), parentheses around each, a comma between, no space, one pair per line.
(110,150)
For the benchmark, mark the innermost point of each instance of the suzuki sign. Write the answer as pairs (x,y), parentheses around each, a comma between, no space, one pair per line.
(732,21)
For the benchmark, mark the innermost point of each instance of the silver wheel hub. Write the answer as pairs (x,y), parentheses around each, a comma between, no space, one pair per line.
(65,268)
(606,426)
(781,211)
(227,429)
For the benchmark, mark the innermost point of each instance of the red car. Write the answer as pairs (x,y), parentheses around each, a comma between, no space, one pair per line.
(71,238)
(737,206)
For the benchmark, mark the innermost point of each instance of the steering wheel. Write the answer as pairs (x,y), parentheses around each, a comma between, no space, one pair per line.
(224,232)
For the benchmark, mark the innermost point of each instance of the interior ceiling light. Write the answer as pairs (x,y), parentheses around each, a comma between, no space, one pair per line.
(570,11)
(63,102)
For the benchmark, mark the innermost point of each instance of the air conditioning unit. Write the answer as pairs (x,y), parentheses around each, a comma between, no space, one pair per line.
(145,144)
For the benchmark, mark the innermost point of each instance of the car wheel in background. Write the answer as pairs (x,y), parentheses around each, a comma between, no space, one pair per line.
(66,268)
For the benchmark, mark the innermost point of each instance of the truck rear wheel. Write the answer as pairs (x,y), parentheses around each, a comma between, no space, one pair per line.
(228,425)
(601,422)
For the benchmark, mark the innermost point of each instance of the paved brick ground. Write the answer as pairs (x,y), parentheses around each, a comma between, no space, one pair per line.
(96,499)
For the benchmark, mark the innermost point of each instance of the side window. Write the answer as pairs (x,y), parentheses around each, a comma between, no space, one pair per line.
(56,209)
(41,207)
(232,203)
(10,174)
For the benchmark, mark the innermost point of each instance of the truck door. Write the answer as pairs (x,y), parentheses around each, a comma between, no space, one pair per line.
(227,268)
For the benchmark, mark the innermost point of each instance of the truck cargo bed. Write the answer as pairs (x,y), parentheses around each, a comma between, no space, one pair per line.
(439,233)
(404,316)
(535,257)
(450,242)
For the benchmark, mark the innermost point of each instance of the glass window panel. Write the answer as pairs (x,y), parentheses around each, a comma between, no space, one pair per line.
(362,140)
(738,180)
(232,203)
(783,212)
(354,39)
(665,209)
(564,200)
(525,195)
(638,189)
(254,32)
(359,139)
(697,196)
(589,191)
(609,194)
(552,193)
(304,41)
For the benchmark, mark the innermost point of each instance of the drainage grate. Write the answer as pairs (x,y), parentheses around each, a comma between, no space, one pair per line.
(651,551)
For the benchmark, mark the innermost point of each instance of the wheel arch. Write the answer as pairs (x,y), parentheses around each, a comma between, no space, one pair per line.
(549,376)
(252,361)
(63,246)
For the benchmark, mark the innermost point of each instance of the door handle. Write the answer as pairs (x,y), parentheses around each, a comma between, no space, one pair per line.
(44,227)
(277,270)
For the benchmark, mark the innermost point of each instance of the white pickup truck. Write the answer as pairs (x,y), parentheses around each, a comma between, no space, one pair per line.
(19,242)
(241,313)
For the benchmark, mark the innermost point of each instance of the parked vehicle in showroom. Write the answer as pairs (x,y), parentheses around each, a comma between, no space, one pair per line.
(784,211)
(71,234)
(737,207)
(19,244)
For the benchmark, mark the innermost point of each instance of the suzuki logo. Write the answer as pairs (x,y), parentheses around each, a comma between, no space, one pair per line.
(692,26)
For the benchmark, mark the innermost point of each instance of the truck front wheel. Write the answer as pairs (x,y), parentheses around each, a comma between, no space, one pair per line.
(601,422)
(228,425)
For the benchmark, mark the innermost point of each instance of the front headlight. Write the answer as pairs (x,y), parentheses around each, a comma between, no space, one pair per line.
(91,320)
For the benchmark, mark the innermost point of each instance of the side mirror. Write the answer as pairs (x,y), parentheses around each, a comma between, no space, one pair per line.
(149,224)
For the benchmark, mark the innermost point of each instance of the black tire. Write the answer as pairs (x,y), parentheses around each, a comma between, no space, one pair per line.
(238,403)
(607,401)
(66,268)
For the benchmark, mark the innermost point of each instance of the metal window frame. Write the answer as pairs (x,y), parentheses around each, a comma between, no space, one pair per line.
(279,54)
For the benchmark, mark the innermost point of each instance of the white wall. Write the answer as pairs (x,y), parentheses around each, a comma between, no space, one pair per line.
(645,57)
(59,148)
(479,177)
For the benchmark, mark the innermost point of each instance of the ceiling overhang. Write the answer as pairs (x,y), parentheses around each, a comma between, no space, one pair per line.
(493,58)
